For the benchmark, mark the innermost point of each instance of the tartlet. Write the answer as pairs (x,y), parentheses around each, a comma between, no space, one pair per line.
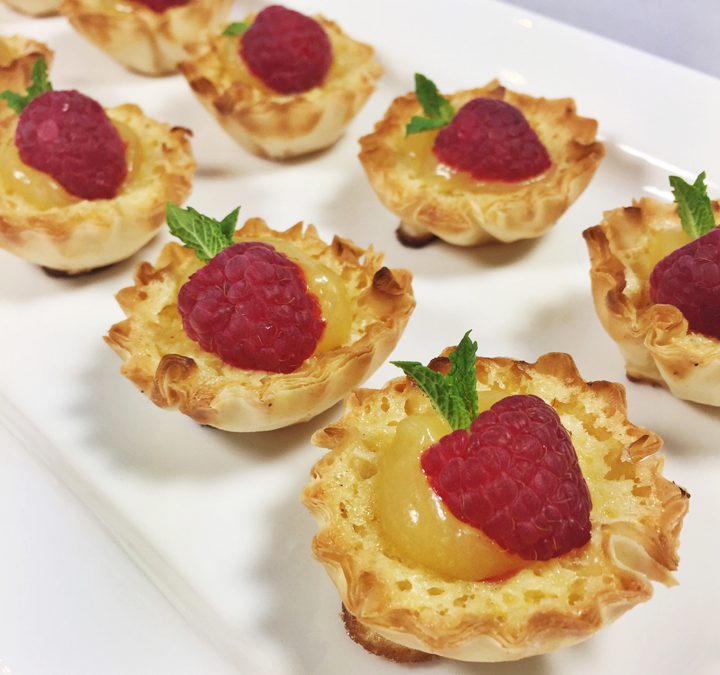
(148,42)
(277,125)
(175,372)
(432,202)
(80,235)
(17,57)
(635,520)
(35,7)
(654,339)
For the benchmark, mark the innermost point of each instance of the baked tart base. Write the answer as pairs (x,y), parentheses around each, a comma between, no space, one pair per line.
(276,125)
(475,213)
(654,338)
(35,7)
(175,372)
(17,58)
(151,43)
(87,234)
(636,519)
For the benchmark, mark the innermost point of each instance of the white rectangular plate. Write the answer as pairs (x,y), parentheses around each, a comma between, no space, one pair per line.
(214,518)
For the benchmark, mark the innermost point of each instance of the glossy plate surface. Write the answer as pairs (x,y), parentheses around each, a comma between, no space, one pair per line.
(213,518)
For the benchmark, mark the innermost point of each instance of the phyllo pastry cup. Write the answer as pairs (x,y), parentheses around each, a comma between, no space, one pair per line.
(432,201)
(148,42)
(175,372)
(635,523)
(17,58)
(276,125)
(73,235)
(654,338)
(35,7)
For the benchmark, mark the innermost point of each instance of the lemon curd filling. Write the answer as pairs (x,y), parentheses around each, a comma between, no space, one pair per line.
(661,244)
(413,518)
(417,154)
(39,189)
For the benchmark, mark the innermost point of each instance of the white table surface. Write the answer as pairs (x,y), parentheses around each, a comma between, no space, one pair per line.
(49,623)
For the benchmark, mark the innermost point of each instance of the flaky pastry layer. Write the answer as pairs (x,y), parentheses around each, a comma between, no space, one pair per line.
(636,519)
(17,58)
(276,125)
(654,339)
(503,212)
(35,7)
(175,372)
(151,43)
(88,234)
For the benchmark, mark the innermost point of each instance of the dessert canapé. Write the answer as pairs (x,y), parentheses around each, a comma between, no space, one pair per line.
(283,84)
(256,329)
(82,187)
(479,166)
(655,272)
(35,7)
(490,509)
(147,36)
(17,57)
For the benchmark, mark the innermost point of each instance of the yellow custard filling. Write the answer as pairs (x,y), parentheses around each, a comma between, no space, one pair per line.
(413,518)
(39,189)
(661,244)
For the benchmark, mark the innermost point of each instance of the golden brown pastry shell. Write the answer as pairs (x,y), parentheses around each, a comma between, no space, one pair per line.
(35,7)
(15,71)
(505,212)
(636,519)
(175,372)
(276,125)
(88,234)
(654,338)
(151,43)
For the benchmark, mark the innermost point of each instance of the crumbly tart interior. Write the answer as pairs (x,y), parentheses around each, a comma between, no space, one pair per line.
(176,372)
(81,235)
(432,200)
(282,125)
(654,339)
(636,519)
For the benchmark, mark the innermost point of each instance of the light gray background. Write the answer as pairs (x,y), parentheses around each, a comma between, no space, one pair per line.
(686,31)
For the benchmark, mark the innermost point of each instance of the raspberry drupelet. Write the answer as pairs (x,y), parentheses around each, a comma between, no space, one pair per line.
(492,141)
(68,136)
(515,476)
(288,51)
(251,306)
(689,279)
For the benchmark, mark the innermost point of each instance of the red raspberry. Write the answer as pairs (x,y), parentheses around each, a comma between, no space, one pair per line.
(689,278)
(68,136)
(251,306)
(161,5)
(288,51)
(492,141)
(516,477)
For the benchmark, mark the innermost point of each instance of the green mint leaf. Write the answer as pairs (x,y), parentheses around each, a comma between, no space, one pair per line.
(446,400)
(694,205)
(39,84)
(205,235)
(236,28)
(462,375)
(438,110)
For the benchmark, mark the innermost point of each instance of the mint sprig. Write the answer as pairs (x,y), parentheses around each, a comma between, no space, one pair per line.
(204,235)
(694,205)
(236,28)
(39,84)
(453,395)
(438,110)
